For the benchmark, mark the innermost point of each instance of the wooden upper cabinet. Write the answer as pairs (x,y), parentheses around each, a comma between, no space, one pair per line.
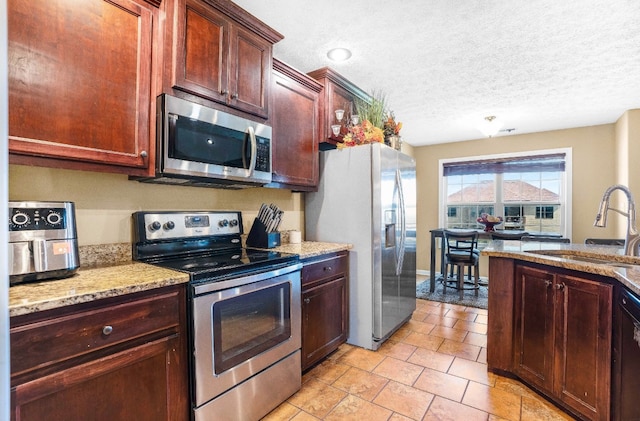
(201,57)
(338,93)
(80,83)
(294,118)
(222,54)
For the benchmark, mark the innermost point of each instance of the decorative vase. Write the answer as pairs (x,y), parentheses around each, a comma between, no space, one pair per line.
(394,141)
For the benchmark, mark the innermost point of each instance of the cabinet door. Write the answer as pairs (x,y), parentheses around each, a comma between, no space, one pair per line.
(534,333)
(130,385)
(324,320)
(202,51)
(249,72)
(80,77)
(294,118)
(583,345)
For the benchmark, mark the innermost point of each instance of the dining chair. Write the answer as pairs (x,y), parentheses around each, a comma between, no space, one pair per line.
(546,239)
(460,247)
(506,235)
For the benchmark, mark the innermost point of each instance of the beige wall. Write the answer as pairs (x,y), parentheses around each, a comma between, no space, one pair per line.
(105,202)
(594,164)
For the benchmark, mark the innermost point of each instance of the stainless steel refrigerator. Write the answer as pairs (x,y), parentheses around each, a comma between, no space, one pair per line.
(366,197)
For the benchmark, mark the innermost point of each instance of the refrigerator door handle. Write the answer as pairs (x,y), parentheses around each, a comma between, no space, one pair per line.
(403,227)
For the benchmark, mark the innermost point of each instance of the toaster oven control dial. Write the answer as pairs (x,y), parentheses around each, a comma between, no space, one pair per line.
(169,225)
(223,223)
(233,223)
(20,218)
(54,218)
(155,226)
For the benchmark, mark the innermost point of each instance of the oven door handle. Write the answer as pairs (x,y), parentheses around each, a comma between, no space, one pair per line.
(254,150)
(207,287)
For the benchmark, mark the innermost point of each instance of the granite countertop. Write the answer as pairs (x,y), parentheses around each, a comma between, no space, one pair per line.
(90,284)
(108,271)
(308,249)
(625,269)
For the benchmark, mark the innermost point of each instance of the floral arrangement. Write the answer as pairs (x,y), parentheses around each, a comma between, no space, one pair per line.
(362,134)
(391,127)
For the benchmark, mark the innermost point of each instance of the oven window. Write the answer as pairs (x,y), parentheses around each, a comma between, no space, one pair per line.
(251,323)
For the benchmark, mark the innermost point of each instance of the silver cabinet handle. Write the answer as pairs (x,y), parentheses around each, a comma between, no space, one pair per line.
(328,268)
(144,154)
(548,283)
(107,330)
(560,287)
(234,96)
(307,300)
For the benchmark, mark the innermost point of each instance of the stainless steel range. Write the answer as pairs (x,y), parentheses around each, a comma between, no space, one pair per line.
(244,311)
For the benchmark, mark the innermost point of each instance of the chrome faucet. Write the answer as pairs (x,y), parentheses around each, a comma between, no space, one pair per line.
(632,241)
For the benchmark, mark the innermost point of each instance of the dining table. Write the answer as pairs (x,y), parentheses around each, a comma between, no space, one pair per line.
(439,233)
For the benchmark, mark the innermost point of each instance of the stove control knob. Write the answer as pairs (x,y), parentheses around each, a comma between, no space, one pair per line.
(169,225)
(155,226)
(223,223)
(233,223)
(20,218)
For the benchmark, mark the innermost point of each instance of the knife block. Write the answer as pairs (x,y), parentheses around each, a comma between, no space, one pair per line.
(259,237)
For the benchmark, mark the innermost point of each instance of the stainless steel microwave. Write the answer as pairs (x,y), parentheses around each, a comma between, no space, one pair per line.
(202,146)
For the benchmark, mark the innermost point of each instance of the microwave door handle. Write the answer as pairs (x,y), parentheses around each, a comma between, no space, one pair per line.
(254,150)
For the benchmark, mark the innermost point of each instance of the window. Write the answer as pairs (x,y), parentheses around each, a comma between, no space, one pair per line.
(528,190)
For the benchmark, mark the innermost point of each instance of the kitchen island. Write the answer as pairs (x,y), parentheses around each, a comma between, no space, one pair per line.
(552,320)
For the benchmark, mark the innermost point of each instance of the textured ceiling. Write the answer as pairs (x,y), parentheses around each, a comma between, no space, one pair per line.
(444,65)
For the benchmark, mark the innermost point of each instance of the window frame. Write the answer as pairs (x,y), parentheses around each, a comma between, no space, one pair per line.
(565,187)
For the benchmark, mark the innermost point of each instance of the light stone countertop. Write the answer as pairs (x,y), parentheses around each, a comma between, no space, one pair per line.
(308,249)
(108,271)
(89,285)
(625,269)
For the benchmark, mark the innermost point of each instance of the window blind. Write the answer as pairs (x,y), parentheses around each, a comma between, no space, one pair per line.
(534,163)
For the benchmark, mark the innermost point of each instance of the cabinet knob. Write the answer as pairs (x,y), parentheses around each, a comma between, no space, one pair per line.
(234,96)
(327,269)
(107,330)
(224,92)
(548,283)
(560,287)
(307,300)
(144,154)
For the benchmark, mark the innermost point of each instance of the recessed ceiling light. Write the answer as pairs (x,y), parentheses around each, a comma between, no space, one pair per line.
(339,54)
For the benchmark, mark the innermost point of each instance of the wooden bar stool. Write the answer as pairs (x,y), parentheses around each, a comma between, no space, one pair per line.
(459,253)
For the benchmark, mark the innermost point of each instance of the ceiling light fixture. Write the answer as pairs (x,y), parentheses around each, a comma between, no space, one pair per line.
(339,54)
(490,127)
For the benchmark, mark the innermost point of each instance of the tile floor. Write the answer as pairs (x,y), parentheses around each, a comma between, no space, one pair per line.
(432,368)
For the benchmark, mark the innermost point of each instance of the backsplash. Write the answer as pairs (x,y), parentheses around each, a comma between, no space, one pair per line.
(104,202)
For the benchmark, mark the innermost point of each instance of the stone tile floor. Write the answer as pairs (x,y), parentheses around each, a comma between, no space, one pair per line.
(432,368)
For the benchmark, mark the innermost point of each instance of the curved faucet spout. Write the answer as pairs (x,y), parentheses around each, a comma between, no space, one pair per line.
(632,241)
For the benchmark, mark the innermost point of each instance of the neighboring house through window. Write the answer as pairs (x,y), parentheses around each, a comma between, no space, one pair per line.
(530,191)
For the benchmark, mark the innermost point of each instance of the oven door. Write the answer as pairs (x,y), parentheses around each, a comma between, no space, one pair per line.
(241,330)
(207,143)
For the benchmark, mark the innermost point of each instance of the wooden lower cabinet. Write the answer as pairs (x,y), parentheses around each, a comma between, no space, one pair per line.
(325,306)
(562,338)
(112,359)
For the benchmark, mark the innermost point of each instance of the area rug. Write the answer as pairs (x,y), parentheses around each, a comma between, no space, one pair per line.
(452,296)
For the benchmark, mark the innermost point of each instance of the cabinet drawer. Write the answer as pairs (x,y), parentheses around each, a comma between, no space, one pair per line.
(325,269)
(49,341)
